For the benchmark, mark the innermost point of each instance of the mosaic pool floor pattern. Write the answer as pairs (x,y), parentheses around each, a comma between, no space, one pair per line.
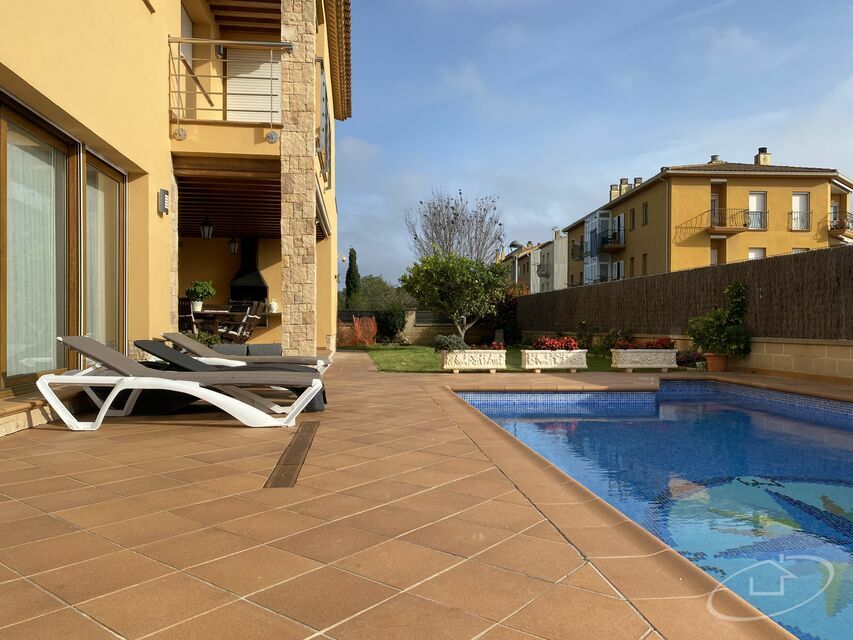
(754,487)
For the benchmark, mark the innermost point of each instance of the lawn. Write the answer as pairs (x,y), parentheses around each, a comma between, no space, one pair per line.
(424,360)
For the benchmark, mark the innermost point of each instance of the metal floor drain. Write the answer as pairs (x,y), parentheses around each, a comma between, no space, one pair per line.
(285,473)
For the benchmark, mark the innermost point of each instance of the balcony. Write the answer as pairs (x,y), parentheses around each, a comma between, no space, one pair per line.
(840,223)
(728,222)
(578,251)
(799,220)
(225,81)
(612,242)
(543,270)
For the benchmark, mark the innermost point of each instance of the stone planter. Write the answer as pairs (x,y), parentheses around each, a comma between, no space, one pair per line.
(537,359)
(630,359)
(473,360)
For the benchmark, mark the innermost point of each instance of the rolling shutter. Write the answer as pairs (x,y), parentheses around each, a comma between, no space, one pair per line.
(254,86)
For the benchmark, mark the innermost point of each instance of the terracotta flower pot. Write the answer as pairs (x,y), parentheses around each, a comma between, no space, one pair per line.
(717,362)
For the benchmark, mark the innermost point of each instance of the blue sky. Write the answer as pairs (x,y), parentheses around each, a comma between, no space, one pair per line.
(546,102)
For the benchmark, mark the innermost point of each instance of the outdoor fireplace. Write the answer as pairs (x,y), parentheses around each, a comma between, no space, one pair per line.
(248,284)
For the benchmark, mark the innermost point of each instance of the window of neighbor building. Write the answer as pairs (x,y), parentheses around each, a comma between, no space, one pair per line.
(617,270)
(800,212)
(645,218)
(645,264)
(632,219)
(756,253)
(799,250)
(631,267)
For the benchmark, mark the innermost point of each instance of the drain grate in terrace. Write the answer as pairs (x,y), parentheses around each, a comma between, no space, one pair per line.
(285,473)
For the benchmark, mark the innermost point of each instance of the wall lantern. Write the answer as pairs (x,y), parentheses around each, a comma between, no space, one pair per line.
(163,201)
(233,246)
(206,229)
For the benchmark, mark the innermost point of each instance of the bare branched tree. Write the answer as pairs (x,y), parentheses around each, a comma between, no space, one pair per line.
(445,224)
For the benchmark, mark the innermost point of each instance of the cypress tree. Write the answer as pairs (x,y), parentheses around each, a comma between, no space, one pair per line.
(353,279)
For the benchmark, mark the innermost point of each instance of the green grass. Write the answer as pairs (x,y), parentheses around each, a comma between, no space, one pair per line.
(397,359)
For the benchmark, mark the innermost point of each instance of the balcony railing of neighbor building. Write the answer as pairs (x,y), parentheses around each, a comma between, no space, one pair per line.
(731,221)
(578,251)
(840,222)
(799,220)
(225,81)
(543,270)
(613,241)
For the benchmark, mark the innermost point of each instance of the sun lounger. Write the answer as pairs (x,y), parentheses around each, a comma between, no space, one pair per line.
(223,389)
(214,357)
(182,362)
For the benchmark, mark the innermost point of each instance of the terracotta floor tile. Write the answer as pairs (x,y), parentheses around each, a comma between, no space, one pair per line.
(389,520)
(533,557)
(458,537)
(439,502)
(70,499)
(503,515)
(24,474)
(483,590)
(54,553)
(20,600)
(237,482)
(148,607)
(323,597)
(589,578)
(41,487)
(334,506)
(106,512)
(337,480)
(220,510)
(398,564)
(384,490)
(110,474)
(14,510)
(483,487)
(505,633)
(546,531)
(586,514)
(284,496)
(571,613)
(329,542)
(427,477)
(99,576)
(32,529)
(407,617)
(148,528)
(253,570)
(194,548)
(621,540)
(270,525)
(337,460)
(65,623)
(237,621)
(177,497)
(663,575)
(146,484)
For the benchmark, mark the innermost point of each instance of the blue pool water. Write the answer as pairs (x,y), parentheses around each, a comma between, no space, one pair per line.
(753,486)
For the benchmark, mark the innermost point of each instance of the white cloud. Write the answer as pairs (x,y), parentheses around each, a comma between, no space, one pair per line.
(701,11)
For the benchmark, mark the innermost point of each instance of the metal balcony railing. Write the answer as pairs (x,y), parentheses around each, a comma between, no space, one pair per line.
(225,80)
(728,218)
(577,251)
(613,238)
(757,220)
(799,220)
(840,221)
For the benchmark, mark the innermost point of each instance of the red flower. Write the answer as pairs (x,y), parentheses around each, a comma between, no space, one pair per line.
(547,343)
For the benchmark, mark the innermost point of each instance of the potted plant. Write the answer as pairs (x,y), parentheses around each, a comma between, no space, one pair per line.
(457,356)
(554,353)
(198,292)
(654,354)
(721,333)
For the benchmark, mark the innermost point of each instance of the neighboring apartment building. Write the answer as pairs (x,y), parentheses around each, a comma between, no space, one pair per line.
(147,143)
(553,263)
(702,214)
(522,263)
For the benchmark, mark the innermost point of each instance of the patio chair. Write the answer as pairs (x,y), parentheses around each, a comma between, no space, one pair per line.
(182,362)
(208,355)
(186,319)
(222,389)
(240,332)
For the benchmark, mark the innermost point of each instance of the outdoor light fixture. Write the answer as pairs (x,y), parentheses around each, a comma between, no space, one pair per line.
(163,201)
(233,246)
(206,229)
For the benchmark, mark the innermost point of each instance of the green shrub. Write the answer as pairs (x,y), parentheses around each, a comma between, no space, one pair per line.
(390,323)
(449,343)
(204,337)
(722,331)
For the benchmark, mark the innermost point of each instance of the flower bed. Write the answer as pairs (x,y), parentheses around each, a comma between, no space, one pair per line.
(655,354)
(554,353)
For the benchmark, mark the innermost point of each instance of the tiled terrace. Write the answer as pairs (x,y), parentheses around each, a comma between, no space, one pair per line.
(413,518)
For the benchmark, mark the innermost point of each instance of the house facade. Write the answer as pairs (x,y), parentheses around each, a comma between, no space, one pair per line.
(697,215)
(521,264)
(148,143)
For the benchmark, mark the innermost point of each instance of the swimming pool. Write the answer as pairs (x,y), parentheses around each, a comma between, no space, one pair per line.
(753,486)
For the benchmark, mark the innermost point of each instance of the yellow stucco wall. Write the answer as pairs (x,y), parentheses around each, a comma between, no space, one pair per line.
(649,239)
(101,74)
(575,270)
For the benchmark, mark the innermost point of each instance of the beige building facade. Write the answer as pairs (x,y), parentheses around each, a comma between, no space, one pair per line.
(156,142)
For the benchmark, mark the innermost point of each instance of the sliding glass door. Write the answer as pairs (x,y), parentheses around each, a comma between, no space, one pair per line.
(102,252)
(33,248)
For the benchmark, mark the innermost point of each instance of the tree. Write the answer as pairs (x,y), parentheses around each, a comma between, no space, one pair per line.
(457,287)
(353,280)
(445,224)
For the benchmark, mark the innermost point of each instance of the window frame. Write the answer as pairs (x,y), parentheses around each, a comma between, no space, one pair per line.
(644,219)
(9,113)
